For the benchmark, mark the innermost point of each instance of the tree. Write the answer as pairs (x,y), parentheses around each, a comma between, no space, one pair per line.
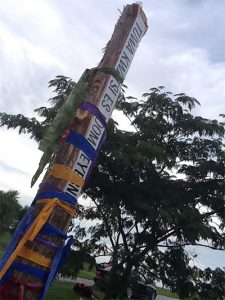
(76,261)
(159,187)
(10,210)
(156,188)
(211,284)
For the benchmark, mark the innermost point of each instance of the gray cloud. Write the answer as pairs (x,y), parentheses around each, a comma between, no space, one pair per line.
(12,169)
(207,257)
(183,49)
(195,24)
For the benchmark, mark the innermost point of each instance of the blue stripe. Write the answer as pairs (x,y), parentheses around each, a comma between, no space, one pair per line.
(56,263)
(79,141)
(6,277)
(43,275)
(49,229)
(30,270)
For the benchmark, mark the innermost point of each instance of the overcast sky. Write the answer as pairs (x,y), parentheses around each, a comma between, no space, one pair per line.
(183,49)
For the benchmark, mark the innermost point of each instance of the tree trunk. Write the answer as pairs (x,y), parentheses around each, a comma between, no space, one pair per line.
(118,284)
(127,273)
(103,93)
(113,284)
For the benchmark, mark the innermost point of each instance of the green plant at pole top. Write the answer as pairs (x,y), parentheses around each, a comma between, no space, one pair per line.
(50,142)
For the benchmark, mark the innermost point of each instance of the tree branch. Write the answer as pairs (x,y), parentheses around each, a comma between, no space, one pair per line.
(169,232)
(123,236)
(146,268)
(191,244)
(106,223)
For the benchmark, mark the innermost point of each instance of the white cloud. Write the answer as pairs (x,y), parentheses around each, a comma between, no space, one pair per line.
(19,159)
(183,50)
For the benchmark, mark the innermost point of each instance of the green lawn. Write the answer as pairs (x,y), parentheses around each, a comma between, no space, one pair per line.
(86,274)
(61,291)
(167,293)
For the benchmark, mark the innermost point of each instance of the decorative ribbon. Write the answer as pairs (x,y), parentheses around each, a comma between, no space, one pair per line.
(8,280)
(24,223)
(65,173)
(79,141)
(25,269)
(56,263)
(35,257)
(46,243)
(94,111)
(47,187)
(49,229)
(59,195)
(35,227)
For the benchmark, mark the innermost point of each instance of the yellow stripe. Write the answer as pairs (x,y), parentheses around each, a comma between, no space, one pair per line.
(65,173)
(68,209)
(35,257)
(35,227)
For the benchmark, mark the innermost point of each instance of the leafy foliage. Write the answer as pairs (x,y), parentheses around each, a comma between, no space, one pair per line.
(159,187)
(10,210)
(76,261)
(156,189)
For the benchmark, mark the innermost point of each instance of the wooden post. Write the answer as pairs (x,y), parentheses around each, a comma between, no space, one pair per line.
(103,93)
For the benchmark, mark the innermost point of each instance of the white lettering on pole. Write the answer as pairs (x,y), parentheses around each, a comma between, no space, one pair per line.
(107,102)
(95,133)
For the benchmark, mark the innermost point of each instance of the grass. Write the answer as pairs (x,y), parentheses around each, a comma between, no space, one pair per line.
(167,293)
(86,274)
(61,290)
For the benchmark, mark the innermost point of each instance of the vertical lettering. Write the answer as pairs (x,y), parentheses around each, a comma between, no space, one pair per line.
(113,87)
(133,42)
(126,58)
(140,31)
(130,48)
(121,68)
(72,190)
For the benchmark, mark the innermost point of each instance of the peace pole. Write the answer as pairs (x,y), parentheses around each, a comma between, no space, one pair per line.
(40,243)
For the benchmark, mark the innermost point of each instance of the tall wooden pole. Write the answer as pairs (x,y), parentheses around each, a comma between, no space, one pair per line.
(103,93)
